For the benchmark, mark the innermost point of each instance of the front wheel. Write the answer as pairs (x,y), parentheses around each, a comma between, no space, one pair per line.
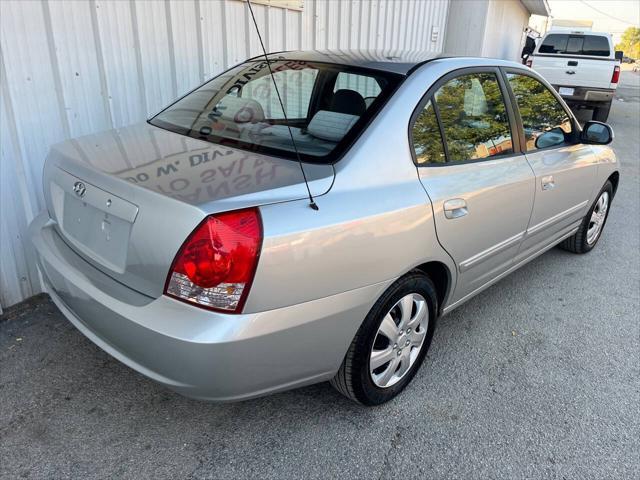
(593,223)
(391,343)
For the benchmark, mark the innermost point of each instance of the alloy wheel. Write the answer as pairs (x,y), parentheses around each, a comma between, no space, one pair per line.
(598,216)
(399,340)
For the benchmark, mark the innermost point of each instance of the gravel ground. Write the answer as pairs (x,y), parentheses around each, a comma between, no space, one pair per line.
(536,378)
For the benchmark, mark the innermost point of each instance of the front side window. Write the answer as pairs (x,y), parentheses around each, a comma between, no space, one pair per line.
(474,117)
(241,107)
(546,123)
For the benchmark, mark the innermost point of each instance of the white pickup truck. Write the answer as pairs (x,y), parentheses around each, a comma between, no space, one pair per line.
(581,66)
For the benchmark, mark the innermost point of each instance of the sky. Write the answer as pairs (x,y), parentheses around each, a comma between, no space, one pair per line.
(612,16)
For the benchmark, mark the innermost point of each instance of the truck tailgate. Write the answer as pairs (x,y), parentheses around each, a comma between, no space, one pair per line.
(575,71)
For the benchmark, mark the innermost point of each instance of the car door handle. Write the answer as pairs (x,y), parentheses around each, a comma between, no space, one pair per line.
(570,72)
(548,183)
(455,208)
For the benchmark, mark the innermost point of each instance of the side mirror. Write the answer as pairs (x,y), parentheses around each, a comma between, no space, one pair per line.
(619,54)
(597,133)
(550,138)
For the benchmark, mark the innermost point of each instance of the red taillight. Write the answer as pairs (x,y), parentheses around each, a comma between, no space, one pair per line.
(616,74)
(215,266)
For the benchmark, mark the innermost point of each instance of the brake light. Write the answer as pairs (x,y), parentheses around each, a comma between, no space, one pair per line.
(215,266)
(529,62)
(616,74)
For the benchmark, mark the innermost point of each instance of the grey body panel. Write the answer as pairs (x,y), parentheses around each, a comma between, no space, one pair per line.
(572,171)
(319,272)
(482,243)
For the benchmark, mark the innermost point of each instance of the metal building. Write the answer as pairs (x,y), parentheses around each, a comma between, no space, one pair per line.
(490,28)
(73,67)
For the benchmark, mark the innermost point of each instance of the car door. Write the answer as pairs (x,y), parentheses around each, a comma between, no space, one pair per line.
(481,187)
(565,169)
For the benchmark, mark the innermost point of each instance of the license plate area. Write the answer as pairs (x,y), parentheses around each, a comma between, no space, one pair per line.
(97,223)
(566,92)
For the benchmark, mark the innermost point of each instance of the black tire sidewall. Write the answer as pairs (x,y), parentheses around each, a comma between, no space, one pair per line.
(366,391)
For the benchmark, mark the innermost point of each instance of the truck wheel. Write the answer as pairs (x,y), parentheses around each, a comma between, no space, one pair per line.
(391,342)
(601,113)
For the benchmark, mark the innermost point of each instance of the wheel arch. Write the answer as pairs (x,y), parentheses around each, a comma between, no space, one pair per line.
(441,277)
(614,178)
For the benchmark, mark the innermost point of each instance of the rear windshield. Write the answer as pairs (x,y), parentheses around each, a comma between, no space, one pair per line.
(564,43)
(326,105)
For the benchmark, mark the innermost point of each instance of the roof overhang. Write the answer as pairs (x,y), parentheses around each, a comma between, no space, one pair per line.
(537,7)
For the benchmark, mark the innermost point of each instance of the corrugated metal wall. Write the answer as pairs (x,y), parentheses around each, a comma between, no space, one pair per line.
(73,67)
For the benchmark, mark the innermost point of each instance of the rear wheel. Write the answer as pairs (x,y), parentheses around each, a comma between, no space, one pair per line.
(593,223)
(601,113)
(391,343)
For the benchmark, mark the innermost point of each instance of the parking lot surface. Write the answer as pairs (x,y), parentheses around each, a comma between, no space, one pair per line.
(538,377)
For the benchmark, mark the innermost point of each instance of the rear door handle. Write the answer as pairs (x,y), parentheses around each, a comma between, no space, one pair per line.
(455,208)
(548,183)
(570,72)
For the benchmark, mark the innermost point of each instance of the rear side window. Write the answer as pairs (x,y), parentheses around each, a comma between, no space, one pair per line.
(564,43)
(474,117)
(546,123)
(427,142)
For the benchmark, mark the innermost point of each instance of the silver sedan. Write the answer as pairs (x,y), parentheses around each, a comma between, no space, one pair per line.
(235,245)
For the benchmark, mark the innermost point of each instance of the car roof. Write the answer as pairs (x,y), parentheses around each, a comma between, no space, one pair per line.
(392,61)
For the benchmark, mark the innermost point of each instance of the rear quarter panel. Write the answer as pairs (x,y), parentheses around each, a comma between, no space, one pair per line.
(357,238)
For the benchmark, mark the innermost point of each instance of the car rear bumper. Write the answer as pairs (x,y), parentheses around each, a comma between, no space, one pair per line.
(587,95)
(199,353)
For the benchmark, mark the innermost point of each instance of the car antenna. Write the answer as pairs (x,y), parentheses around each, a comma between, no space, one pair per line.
(312,202)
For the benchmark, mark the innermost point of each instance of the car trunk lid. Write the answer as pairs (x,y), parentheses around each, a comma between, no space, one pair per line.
(125,200)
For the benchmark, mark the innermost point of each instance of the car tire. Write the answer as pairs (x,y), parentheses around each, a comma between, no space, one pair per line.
(601,114)
(586,237)
(355,378)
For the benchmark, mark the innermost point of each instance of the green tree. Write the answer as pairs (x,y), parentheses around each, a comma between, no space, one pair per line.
(630,42)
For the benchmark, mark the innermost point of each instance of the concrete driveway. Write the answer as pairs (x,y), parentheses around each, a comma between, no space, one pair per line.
(538,377)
